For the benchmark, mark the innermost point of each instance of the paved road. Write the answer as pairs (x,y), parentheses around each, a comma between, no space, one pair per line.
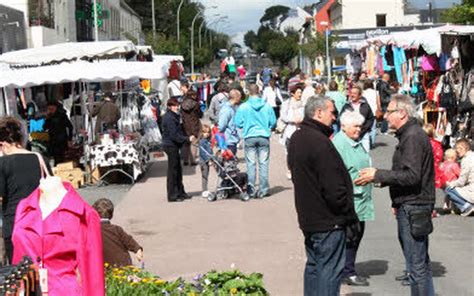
(185,239)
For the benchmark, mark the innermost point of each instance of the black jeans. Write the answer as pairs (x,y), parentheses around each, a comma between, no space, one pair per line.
(351,252)
(174,176)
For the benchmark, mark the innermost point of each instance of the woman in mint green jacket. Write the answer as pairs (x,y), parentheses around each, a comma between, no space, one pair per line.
(355,158)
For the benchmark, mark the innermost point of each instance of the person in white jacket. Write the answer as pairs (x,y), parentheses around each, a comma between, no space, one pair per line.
(272,95)
(292,113)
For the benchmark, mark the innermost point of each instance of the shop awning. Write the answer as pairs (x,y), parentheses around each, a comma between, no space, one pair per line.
(64,52)
(99,71)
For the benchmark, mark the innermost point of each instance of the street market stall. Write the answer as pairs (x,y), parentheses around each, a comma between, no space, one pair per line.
(86,72)
(435,66)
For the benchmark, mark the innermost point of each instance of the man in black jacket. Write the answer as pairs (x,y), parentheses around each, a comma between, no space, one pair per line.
(384,94)
(412,191)
(173,139)
(358,103)
(60,130)
(323,197)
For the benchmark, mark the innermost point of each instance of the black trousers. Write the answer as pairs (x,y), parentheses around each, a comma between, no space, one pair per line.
(174,178)
(351,252)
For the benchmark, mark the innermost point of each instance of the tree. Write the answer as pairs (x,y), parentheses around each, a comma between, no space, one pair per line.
(283,49)
(460,14)
(273,14)
(316,46)
(250,39)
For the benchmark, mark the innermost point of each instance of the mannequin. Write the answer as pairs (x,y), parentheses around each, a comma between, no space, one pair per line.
(52,194)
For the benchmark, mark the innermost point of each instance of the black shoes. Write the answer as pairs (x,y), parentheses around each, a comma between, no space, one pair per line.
(179,199)
(406,283)
(355,280)
(185,196)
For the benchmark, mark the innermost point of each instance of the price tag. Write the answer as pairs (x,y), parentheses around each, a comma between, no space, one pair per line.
(43,277)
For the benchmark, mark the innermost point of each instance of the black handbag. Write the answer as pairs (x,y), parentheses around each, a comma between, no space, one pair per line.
(420,222)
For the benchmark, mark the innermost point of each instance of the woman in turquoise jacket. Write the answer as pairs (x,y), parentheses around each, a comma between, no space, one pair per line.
(355,158)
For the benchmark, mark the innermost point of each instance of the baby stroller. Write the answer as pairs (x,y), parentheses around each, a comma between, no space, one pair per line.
(231,181)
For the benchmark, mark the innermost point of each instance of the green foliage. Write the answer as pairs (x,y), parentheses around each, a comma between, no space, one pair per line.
(283,50)
(131,281)
(272,15)
(460,14)
(251,39)
(165,41)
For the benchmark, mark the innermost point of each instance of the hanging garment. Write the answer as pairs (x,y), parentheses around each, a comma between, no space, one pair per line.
(68,243)
(429,63)
(399,62)
(152,134)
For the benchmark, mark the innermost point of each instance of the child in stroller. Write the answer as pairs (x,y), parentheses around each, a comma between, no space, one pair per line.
(231,181)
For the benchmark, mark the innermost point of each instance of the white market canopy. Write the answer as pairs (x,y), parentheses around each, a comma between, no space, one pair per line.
(64,52)
(429,39)
(99,71)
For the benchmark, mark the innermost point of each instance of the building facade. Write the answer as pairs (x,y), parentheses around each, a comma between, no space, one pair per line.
(12,29)
(49,22)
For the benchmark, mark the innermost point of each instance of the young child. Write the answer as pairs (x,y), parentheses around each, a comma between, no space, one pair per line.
(115,241)
(449,171)
(205,158)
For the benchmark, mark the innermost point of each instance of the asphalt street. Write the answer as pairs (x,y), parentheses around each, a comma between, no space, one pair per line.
(195,236)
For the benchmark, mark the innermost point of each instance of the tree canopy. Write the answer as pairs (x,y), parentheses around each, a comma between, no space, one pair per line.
(460,14)
(165,41)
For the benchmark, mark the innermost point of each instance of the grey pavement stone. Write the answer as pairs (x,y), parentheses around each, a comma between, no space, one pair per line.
(185,239)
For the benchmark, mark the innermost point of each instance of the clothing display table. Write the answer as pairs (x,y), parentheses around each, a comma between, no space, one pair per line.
(134,153)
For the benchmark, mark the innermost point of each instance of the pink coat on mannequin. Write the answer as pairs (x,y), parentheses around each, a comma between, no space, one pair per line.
(68,242)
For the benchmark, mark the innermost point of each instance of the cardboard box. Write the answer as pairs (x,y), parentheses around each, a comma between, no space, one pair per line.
(65,166)
(74,176)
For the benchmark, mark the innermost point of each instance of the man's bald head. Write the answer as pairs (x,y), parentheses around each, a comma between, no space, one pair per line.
(235,97)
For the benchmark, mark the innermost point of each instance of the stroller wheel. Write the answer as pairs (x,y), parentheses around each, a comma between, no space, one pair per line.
(244,196)
(211,197)
(222,194)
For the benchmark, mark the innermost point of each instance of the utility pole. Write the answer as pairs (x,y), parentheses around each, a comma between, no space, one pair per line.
(96,22)
(153,18)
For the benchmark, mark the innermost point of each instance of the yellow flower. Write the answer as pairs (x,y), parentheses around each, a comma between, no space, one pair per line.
(106,264)
(115,269)
(233,291)
(191,294)
(159,282)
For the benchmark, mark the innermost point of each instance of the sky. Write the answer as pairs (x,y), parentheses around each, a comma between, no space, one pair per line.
(244,15)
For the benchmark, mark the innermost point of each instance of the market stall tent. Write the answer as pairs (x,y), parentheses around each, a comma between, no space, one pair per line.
(99,71)
(64,52)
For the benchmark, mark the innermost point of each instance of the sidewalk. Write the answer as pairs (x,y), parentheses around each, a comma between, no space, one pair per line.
(185,239)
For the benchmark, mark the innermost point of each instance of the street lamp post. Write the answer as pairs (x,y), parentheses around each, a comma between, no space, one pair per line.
(153,21)
(177,19)
(328,60)
(192,40)
(96,25)
(200,29)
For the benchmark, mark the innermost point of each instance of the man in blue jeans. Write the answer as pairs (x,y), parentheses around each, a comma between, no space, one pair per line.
(323,198)
(412,191)
(256,118)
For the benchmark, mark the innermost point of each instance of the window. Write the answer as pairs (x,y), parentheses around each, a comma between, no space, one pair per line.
(381,20)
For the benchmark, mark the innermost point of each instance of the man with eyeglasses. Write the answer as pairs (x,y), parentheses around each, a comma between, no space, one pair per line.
(412,190)
(359,104)
(323,197)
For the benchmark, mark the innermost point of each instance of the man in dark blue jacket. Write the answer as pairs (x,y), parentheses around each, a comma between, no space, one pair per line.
(173,139)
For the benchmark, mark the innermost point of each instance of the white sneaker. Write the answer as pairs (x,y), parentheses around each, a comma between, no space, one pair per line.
(205,194)
(468,212)
(288,175)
